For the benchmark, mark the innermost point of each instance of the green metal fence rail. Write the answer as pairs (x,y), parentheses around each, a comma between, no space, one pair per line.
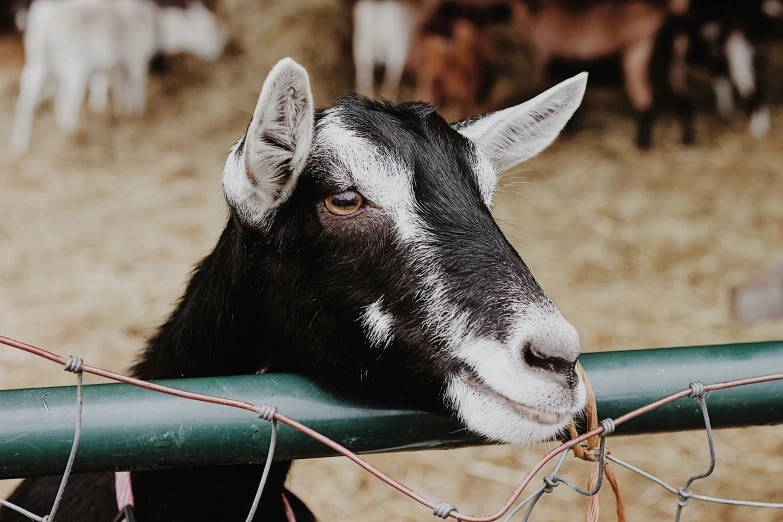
(128,428)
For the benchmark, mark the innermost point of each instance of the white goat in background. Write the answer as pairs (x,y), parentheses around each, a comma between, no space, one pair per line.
(70,43)
(382,36)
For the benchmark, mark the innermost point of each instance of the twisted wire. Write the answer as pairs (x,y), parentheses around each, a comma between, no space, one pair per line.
(267,465)
(442,510)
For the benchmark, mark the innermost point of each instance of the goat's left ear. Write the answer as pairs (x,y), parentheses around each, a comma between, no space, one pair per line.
(267,164)
(518,133)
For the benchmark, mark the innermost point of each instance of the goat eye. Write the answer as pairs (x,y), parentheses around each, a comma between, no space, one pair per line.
(344,203)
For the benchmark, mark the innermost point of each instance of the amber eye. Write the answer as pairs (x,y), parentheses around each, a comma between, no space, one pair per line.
(344,203)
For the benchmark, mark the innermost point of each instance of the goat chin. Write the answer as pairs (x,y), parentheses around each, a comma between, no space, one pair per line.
(498,418)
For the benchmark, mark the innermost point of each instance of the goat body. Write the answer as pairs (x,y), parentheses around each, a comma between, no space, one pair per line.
(69,42)
(600,28)
(448,70)
(452,56)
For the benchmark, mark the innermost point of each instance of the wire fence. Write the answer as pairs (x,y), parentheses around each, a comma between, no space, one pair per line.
(589,446)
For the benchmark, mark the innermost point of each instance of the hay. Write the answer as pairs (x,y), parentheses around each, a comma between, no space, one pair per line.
(637,249)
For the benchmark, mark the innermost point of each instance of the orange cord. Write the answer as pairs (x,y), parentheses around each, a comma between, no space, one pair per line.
(589,453)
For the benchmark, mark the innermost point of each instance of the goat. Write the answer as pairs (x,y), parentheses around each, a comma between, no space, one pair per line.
(360,249)
(577,29)
(383,31)
(70,43)
(451,58)
(17,9)
(730,38)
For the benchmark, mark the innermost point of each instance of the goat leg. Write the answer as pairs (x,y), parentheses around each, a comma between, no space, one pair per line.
(636,65)
(678,82)
(31,90)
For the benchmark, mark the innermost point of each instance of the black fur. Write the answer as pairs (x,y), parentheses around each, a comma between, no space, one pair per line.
(289,299)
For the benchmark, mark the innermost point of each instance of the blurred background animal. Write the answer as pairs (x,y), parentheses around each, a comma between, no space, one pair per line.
(383,31)
(70,44)
(452,61)
(445,52)
(731,40)
(588,30)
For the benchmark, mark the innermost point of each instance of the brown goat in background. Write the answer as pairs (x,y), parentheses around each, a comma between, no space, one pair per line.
(592,30)
(452,57)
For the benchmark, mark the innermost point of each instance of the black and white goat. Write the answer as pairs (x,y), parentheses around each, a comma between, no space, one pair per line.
(731,39)
(360,249)
(70,44)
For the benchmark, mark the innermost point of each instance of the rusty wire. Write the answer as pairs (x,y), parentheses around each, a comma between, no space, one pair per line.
(441,509)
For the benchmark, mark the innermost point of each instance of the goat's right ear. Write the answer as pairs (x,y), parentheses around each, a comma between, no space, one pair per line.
(262,170)
(518,133)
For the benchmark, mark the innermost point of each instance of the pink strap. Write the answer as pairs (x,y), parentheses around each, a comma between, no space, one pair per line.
(289,513)
(122,486)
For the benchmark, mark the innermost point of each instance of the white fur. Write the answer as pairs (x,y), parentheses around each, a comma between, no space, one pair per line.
(68,42)
(382,178)
(487,177)
(378,325)
(502,368)
(491,418)
(99,92)
(383,33)
(266,173)
(20,19)
(739,53)
(518,133)
(759,122)
(724,96)
(195,30)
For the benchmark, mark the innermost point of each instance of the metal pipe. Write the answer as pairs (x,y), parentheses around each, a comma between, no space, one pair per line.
(127,428)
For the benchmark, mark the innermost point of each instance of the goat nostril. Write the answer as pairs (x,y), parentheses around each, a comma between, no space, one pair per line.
(558,365)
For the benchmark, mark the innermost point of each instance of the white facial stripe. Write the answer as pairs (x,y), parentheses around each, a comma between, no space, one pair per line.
(388,182)
(378,325)
(739,52)
(382,178)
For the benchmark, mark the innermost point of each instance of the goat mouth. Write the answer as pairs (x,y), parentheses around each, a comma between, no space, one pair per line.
(539,415)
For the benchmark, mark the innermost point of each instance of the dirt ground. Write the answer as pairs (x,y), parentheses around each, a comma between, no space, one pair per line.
(98,233)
